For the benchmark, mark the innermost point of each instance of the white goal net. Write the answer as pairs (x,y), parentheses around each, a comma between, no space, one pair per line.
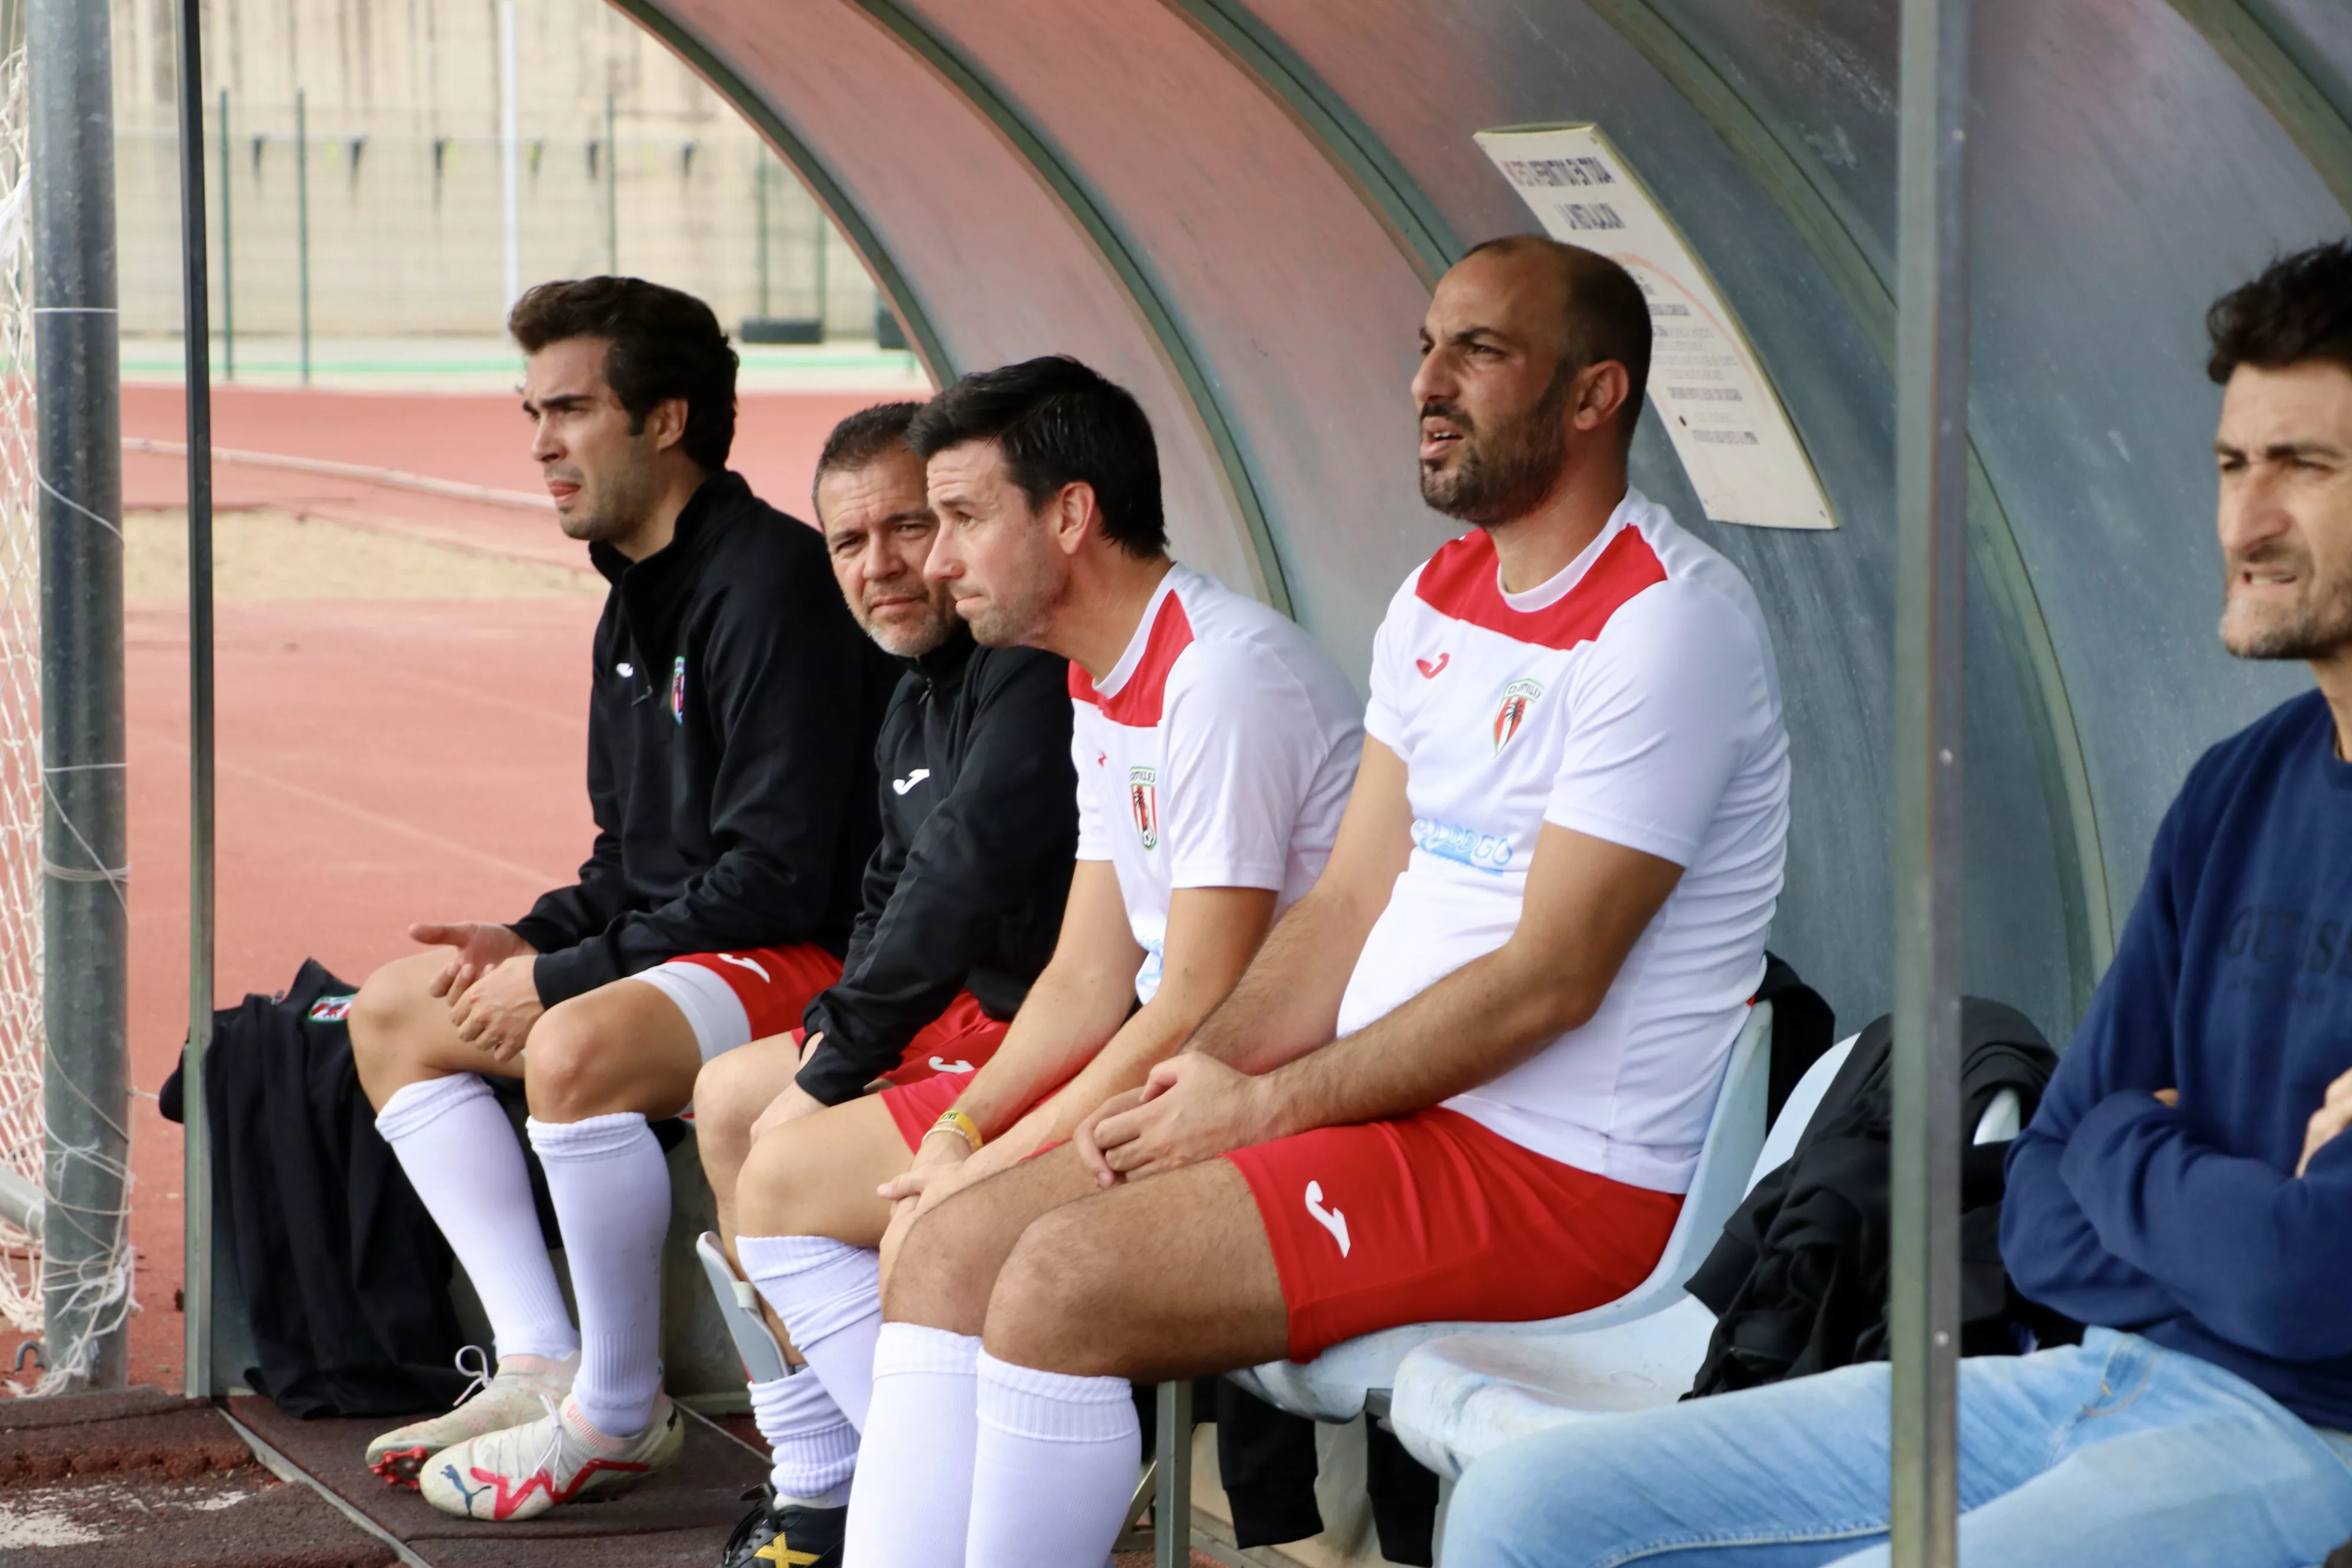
(20,719)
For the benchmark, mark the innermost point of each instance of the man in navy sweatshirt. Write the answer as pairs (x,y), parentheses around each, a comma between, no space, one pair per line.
(2185,1188)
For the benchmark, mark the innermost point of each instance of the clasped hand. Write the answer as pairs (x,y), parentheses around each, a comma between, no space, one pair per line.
(492,993)
(1192,1108)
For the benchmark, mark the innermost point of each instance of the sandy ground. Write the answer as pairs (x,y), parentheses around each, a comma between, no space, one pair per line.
(264,553)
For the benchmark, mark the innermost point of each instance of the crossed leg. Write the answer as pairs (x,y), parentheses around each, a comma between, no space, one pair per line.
(623,1048)
(807,1222)
(595,1069)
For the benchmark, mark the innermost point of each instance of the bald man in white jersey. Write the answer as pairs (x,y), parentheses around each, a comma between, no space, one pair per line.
(1467,1076)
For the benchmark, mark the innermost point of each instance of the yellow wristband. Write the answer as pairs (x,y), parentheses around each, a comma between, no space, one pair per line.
(957,1121)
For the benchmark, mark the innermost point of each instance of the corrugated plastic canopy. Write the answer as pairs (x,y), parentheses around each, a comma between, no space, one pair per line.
(1238,211)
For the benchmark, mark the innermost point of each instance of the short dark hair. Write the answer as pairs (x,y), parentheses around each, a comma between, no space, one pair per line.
(2300,309)
(1608,316)
(1058,423)
(865,437)
(659,343)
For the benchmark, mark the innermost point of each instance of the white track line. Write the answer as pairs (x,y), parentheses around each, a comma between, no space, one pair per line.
(395,478)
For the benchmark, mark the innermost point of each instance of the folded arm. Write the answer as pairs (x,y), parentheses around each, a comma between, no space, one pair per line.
(2256,1253)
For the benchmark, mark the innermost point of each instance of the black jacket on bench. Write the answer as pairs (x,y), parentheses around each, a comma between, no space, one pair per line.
(980,829)
(730,752)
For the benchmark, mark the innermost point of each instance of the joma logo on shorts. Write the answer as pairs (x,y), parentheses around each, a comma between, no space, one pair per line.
(1331,1220)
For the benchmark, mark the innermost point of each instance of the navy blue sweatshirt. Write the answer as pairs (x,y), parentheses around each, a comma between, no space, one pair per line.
(2233,983)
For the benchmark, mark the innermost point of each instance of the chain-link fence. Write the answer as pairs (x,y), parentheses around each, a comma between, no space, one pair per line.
(21,1036)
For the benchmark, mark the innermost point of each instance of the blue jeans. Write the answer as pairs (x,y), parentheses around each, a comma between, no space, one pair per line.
(2116,1451)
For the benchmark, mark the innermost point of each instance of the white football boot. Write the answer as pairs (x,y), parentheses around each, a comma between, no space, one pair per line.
(520,1391)
(523,1471)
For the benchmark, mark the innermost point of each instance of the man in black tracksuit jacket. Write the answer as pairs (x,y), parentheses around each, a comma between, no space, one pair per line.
(963,901)
(730,752)
(734,706)
(965,894)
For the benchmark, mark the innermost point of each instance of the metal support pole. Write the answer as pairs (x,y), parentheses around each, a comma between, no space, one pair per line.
(86,1086)
(303,220)
(612,193)
(510,153)
(197,1178)
(759,212)
(1172,1499)
(1930,645)
(823,233)
(228,260)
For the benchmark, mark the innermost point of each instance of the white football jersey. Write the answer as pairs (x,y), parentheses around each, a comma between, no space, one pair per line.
(1633,697)
(1218,753)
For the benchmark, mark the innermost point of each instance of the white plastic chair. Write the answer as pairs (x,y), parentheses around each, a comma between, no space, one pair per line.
(1459,1398)
(1337,1385)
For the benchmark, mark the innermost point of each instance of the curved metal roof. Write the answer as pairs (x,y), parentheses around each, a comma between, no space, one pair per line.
(1237,210)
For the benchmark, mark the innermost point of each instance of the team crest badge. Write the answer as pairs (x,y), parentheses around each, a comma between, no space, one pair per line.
(1517,697)
(677,689)
(1143,799)
(332,1009)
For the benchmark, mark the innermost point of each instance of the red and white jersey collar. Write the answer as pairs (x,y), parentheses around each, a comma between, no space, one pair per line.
(1464,581)
(1135,688)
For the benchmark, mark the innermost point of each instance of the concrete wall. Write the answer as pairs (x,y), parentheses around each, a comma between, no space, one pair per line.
(404,176)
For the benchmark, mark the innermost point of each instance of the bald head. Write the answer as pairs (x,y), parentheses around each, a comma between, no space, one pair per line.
(1598,311)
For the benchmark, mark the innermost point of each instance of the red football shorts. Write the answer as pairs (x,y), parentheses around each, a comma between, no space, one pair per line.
(952,1046)
(915,1108)
(1430,1218)
(774,985)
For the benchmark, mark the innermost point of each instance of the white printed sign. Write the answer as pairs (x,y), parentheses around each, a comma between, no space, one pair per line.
(1708,385)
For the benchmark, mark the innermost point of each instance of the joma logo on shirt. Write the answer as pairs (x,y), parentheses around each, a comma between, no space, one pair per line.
(1517,697)
(1143,799)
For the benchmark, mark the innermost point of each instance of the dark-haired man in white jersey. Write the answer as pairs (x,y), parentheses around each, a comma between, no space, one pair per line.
(1214,745)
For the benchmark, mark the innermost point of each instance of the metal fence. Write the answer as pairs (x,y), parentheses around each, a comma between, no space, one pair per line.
(372,230)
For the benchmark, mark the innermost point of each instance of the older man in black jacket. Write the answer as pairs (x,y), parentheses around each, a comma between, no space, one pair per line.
(733,711)
(963,899)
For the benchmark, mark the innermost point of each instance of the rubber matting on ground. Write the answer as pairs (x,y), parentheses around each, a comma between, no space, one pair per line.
(680,1517)
(103,1479)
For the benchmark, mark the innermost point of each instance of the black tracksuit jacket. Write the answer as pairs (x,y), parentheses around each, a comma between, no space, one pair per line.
(980,829)
(730,752)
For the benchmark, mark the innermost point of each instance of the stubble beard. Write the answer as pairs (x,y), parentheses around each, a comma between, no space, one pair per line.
(914,639)
(614,506)
(1014,620)
(2316,626)
(1504,472)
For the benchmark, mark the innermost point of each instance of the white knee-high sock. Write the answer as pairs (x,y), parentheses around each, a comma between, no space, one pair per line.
(829,1295)
(1054,1469)
(909,1505)
(461,1156)
(611,1188)
(813,1444)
